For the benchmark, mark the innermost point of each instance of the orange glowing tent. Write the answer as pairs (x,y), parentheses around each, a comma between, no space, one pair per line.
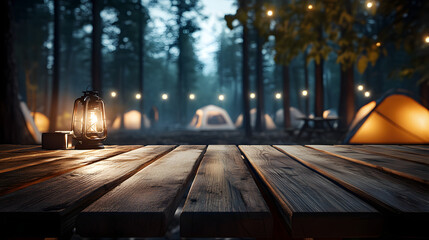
(396,118)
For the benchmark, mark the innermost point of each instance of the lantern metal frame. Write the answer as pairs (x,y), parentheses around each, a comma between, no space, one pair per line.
(80,122)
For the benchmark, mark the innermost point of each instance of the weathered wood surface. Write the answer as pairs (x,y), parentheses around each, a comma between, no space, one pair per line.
(412,155)
(224,200)
(5,148)
(313,206)
(410,170)
(405,202)
(143,205)
(48,209)
(411,149)
(70,160)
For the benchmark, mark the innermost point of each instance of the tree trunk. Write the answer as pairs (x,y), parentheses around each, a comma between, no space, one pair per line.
(347,100)
(286,97)
(96,47)
(260,111)
(56,69)
(318,105)
(306,85)
(13,129)
(142,26)
(245,77)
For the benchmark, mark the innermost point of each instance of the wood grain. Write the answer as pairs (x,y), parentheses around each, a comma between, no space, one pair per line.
(414,171)
(312,205)
(143,205)
(224,201)
(410,155)
(48,209)
(70,160)
(5,148)
(405,202)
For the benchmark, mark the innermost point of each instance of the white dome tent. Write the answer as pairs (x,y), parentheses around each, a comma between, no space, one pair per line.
(211,117)
(269,123)
(295,114)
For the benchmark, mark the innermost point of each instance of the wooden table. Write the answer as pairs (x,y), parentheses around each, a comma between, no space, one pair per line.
(260,191)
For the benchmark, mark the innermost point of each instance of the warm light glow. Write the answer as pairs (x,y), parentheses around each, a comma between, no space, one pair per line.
(252,95)
(92,122)
(378,44)
(360,87)
(221,97)
(113,94)
(138,96)
(369,4)
(192,96)
(310,6)
(278,95)
(270,13)
(427,39)
(304,93)
(164,96)
(367,94)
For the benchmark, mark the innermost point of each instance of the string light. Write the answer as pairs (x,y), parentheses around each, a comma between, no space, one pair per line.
(367,94)
(304,93)
(378,44)
(369,4)
(310,6)
(221,97)
(360,87)
(252,95)
(164,96)
(138,96)
(278,95)
(270,13)
(192,96)
(113,94)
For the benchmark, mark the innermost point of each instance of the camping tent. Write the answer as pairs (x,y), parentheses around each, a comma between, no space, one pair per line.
(269,123)
(211,117)
(132,121)
(396,118)
(294,115)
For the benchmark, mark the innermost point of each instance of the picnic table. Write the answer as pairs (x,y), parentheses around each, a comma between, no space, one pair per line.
(318,125)
(258,191)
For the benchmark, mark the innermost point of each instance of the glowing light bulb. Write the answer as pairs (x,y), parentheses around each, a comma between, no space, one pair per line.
(138,96)
(367,94)
(113,94)
(427,39)
(192,96)
(164,96)
(310,6)
(278,95)
(252,95)
(304,93)
(369,4)
(221,97)
(378,44)
(270,13)
(360,87)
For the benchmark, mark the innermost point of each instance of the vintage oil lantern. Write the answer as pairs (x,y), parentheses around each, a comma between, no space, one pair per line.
(89,121)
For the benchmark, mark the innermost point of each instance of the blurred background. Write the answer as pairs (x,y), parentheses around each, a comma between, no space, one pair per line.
(170,59)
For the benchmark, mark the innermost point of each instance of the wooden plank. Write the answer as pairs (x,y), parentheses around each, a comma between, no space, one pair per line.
(70,160)
(143,205)
(379,150)
(49,209)
(5,148)
(312,205)
(405,148)
(224,201)
(405,202)
(414,171)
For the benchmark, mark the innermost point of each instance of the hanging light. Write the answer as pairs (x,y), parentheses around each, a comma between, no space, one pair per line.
(191,96)
(164,96)
(113,94)
(367,94)
(310,6)
(369,4)
(270,13)
(138,96)
(221,97)
(252,95)
(304,93)
(360,87)
(89,121)
(278,95)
